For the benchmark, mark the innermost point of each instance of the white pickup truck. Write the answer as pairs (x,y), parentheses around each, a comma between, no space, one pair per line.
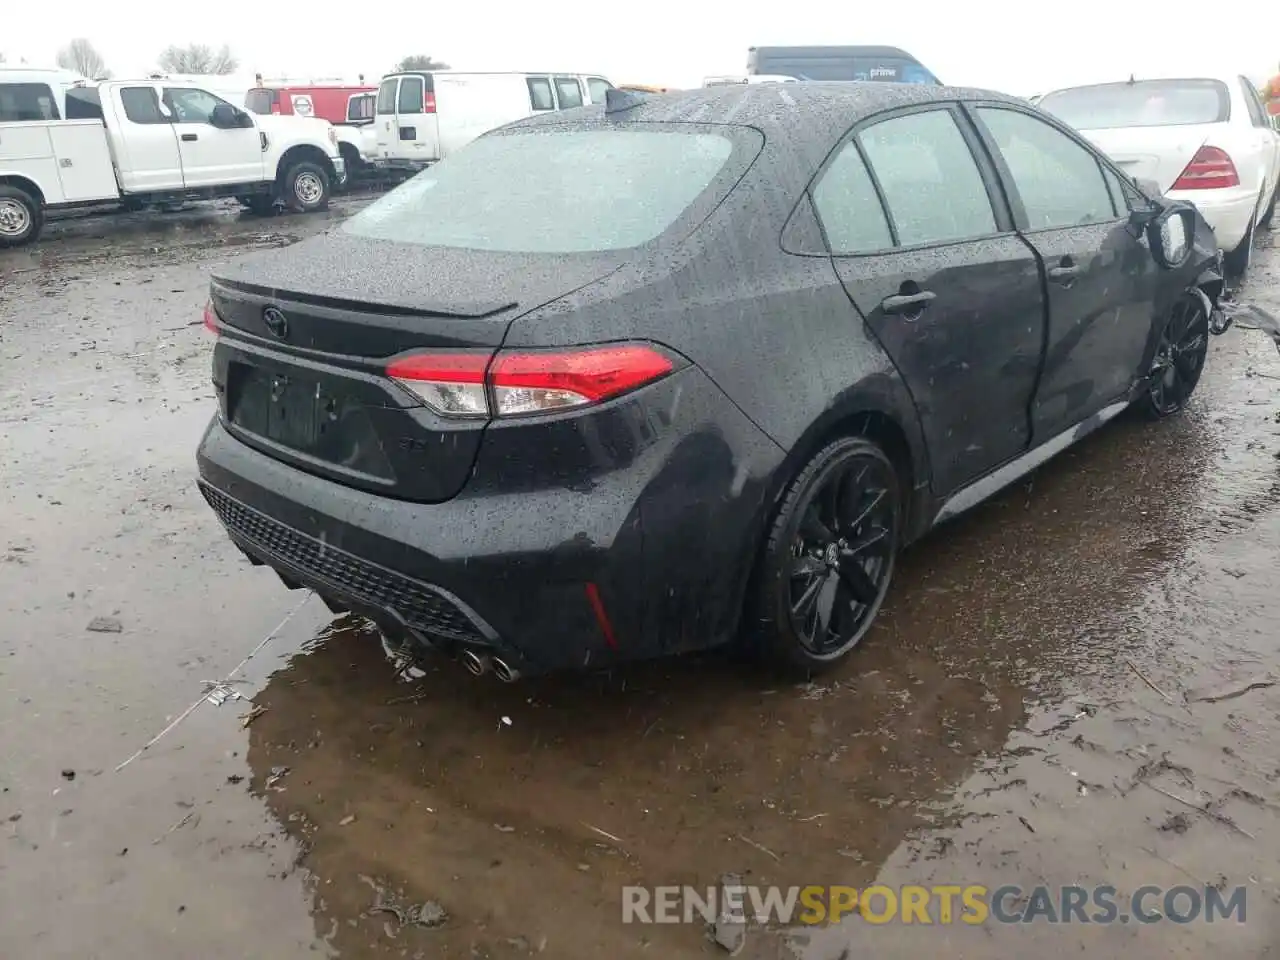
(139,142)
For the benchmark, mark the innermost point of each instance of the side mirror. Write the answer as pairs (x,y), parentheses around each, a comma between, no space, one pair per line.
(226,117)
(1171,234)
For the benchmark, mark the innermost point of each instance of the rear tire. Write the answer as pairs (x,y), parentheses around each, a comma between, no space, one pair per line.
(827,562)
(354,162)
(1269,216)
(306,187)
(1179,359)
(1237,261)
(21,217)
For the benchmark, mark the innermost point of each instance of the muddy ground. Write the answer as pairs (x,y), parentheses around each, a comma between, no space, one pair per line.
(1027,711)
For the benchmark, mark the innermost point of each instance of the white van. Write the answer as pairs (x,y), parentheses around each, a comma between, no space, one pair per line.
(424,116)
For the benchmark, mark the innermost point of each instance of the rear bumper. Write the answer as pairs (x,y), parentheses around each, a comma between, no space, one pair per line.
(650,512)
(1229,212)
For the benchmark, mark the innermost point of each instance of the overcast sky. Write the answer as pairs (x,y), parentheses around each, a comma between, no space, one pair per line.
(1020,48)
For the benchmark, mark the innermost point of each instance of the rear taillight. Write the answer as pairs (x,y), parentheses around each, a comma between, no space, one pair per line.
(449,383)
(1210,168)
(210,318)
(429,102)
(463,384)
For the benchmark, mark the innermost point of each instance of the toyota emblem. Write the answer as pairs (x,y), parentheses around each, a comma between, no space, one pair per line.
(276,322)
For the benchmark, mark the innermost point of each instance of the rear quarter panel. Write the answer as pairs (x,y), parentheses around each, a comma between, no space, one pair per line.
(775,331)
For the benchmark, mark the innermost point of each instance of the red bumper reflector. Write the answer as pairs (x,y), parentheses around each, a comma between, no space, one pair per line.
(602,617)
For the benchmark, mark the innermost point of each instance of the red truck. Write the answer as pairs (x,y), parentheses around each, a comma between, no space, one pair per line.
(328,100)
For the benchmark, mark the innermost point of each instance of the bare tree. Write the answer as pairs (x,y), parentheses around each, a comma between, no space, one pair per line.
(198,58)
(83,57)
(420,61)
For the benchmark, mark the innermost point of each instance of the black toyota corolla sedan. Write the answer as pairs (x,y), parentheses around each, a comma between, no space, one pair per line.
(664,373)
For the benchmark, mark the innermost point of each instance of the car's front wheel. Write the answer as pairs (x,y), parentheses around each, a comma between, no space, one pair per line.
(1179,358)
(306,187)
(827,562)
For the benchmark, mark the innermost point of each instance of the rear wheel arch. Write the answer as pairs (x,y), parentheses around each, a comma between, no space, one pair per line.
(888,421)
(29,187)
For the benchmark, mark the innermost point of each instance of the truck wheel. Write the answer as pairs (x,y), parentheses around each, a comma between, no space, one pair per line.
(355,162)
(21,217)
(306,187)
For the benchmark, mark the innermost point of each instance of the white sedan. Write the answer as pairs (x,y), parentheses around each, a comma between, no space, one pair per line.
(1204,139)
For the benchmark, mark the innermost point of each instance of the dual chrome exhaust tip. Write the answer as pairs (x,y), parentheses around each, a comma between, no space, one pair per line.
(478,664)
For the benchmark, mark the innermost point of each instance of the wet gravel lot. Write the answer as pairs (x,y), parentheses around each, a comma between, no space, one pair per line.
(1070,685)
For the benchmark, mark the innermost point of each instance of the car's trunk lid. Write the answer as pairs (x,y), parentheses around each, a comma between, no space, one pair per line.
(1152,153)
(300,366)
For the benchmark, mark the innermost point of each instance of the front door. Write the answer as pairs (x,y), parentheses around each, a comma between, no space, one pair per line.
(947,287)
(212,156)
(1100,277)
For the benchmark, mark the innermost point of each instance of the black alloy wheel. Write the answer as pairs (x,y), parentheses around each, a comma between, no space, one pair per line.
(1179,358)
(830,556)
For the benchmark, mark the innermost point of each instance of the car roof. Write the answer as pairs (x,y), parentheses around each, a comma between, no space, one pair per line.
(779,110)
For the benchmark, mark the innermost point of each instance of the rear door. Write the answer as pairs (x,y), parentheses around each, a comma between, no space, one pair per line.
(385,116)
(1101,278)
(417,129)
(145,141)
(211,156)
(929,257)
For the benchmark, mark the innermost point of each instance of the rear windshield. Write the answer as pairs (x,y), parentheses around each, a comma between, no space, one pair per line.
(1147,103)
(551,191)
(260,101)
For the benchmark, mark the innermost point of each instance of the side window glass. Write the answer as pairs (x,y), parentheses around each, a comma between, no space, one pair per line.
(191,106)
(1119,194)
(27,102)
(141,105)
(410,95)
(848,207)
(387,97)
(540,93)
(931,183)
(569,92)
(1257,114)
(598,88)
(1060,181)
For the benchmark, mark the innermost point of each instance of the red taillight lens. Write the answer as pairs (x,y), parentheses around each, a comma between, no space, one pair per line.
(465,384)
(210,318)
(1210,168)
(449,383)
(542,381)
(429,102)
